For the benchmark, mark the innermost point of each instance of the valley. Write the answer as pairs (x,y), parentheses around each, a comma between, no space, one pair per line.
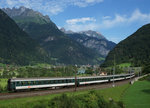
(74,54)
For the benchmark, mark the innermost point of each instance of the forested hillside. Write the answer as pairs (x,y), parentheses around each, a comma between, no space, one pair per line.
(135,49)
(16,46)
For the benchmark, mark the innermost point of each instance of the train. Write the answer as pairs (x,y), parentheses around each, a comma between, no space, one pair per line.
(18,84)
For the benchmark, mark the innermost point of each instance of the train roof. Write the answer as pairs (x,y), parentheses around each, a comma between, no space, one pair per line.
(60,78)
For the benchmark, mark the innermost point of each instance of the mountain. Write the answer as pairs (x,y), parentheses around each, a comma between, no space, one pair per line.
(16,46)
(92,39)
(60,47)
(94,34)
(23,14)
(135,49)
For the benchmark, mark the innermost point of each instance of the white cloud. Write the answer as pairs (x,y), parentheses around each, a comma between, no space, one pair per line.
(106,17)
(93,1)
(137,15)
(80,20)
(123,19)
(110,23)
(52,7)
(89,23)
(84,3)
(80,24)
(82,27)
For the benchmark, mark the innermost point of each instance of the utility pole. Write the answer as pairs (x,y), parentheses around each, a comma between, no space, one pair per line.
(114,72)
(130,72)
(75,79)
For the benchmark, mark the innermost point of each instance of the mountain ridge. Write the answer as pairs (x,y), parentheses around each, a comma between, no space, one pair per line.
(134,49)
(16,46)
(59,46)
(92,39)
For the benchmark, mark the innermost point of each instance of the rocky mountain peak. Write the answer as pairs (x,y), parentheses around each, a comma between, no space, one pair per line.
(27,13)
(66,31)
(91,33)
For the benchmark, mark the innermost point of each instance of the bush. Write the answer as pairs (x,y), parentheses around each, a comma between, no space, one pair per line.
(89,100)
(63,101)
(1,88)
(146,69)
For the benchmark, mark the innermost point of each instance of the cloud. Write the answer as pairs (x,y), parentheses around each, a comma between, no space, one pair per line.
(106,17)
(107,22)
(82,27)
(52,7)
(80,24)
(110,23)
(80,20)
(84,3)
(136,16)
(93,1)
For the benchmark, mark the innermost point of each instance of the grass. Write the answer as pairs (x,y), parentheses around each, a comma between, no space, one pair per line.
(125,65)
(133,96)
(114,93)
(138,95)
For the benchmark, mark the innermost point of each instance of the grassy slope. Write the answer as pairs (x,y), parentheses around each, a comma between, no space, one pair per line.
(114,93)
(135,96)
(124,65)
(138,95)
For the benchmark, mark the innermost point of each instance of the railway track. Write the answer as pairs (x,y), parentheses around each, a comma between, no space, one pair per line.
(62,90)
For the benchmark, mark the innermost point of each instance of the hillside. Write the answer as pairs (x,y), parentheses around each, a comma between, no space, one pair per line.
(16,46)
(60,47)
(95,42)
(135,49)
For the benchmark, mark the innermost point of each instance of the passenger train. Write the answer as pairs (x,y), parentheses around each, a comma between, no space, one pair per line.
(16,84)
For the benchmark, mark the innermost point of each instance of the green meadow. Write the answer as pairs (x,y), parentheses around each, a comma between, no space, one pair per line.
(138,95)
(30,102)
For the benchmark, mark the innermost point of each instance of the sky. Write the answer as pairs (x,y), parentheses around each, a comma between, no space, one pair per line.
(115,19)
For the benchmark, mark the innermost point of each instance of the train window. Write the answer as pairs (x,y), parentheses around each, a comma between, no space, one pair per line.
(32,82)
(44,82)
(39,82)
(18,83)
(63,81)
(48,82)
(23,83)
(59,81)
(29,82)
